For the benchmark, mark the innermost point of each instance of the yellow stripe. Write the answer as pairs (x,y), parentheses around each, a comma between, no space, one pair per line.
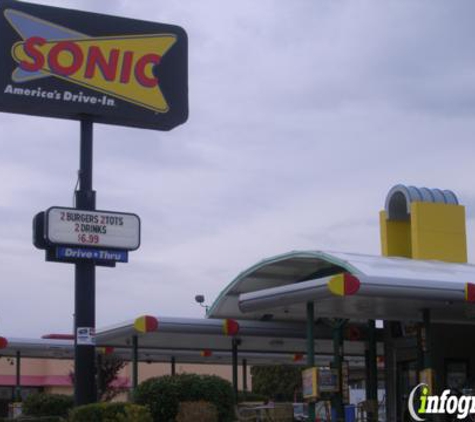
(336,285)
(139,324)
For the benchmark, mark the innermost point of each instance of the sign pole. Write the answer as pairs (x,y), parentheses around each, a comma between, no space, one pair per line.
(85,281)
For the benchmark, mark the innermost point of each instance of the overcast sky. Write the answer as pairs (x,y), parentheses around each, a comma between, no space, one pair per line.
(303,114)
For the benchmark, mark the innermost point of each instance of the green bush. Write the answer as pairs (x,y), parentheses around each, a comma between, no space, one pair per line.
(162,395)
(43,404)
(197,411)
(279,383)
(110,412)
(35,419)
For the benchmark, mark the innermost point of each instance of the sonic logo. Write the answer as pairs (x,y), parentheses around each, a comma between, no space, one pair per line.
(120,66)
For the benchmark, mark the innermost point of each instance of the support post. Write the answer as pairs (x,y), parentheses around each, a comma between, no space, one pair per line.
(420,351)
(311,351)
(427,339)
(372,370)
(244,376)
(390,372)
(100,377)
(337,401)
(18,377)
(85,282)
(235,344)
(173,366)
(135,362)
(428,375)
(367,375)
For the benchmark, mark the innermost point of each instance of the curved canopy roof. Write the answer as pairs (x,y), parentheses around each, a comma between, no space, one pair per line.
(388,288)
(39,348)
(198,340)
(193,334)
(64,349)
(399,199)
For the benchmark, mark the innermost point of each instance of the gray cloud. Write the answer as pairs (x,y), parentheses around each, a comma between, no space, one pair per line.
(303,114)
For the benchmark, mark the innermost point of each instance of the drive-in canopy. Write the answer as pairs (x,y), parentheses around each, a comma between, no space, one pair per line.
(64,349)
(195,340)
(349,285)
(38,348)
(187,334)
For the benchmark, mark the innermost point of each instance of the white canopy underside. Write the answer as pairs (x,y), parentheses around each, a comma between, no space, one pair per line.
(391,289)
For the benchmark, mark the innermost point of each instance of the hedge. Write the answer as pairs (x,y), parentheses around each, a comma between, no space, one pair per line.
(35,419)
(43,404)
(110,412)
(197,411)
(162,395)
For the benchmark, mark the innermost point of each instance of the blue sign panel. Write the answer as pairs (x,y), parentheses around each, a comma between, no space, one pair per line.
(68,253)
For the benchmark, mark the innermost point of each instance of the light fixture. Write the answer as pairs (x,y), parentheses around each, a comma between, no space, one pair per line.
(200,299)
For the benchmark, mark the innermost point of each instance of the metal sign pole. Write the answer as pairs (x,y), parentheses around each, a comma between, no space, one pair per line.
(85,281)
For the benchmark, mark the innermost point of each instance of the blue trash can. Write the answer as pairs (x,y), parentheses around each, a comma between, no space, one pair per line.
(350,413)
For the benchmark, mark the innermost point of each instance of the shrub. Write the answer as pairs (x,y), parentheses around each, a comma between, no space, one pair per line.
(279,383)
(43,404)
(197,411)
(162,395)
(35,419)
(88,412)
(110,412)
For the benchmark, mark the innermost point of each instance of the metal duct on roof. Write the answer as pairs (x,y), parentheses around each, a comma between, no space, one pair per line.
(399,198)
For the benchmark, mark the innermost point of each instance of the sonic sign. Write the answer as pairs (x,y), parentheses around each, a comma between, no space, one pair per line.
(64,63)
